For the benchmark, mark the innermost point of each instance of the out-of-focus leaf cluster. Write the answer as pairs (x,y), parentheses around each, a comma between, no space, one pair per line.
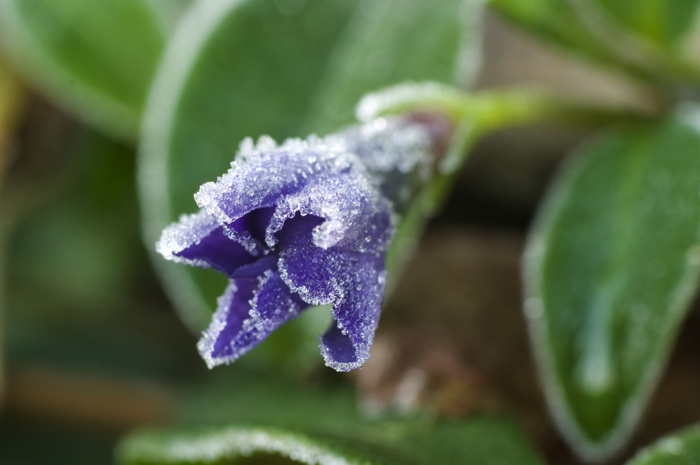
(262,417)
(611,265)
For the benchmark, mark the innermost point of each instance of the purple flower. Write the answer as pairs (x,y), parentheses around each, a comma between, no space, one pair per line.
(300,224)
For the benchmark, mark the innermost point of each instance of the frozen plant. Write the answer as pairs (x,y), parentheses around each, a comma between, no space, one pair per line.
(304,223)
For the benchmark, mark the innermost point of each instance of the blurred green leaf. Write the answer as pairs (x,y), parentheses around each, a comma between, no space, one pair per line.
(247,68)
(680,448)
(391,41)
(169,12)
(664,22)
(77,274)
(264,419)
(81,245)
(557,22)
(96,58)
(643,38)
(611,267)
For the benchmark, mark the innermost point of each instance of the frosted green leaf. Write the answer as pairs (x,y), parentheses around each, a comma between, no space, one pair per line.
(391,41)
(264,422)
(611,267)
(680,448)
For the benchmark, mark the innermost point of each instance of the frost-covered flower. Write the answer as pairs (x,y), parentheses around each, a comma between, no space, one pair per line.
(304,223)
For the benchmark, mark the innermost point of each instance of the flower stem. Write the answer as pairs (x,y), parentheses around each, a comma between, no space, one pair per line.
(472,116)
(492,110)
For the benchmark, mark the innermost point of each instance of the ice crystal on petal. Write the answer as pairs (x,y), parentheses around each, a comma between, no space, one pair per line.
(306,222)
(189,230)
(394,154)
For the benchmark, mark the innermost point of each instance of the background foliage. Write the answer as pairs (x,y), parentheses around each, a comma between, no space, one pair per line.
(112,113)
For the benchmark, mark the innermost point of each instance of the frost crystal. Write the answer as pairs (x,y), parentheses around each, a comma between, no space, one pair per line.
(304,223)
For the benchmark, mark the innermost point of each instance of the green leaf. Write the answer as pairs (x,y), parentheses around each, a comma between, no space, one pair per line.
(644,38)
(663,22)
(76,225)
(169,12)
(557,22)
(610,269)
(96,58)
(239,68)
(372,54)
(680,448)
(259,422)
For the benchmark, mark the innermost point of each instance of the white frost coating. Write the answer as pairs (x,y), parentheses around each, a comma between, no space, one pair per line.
(555,396)
(340,179)
(237,442)
(256,326)
(342,202)
(296,176)
(218,323)
(539,330)
(342,367)
(248,242)
(254,312)
(373,105)
(361,351)
(188,231)
(264,170)
(285,307)
(306,294)
(387,145)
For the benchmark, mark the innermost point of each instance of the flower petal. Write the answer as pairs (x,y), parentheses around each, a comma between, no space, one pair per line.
(315,274)
(345,346)
(274,303)
(230,319)
(357,217)
(249,230)
(263,174)
(255,269)
(199,240)
(247,313)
